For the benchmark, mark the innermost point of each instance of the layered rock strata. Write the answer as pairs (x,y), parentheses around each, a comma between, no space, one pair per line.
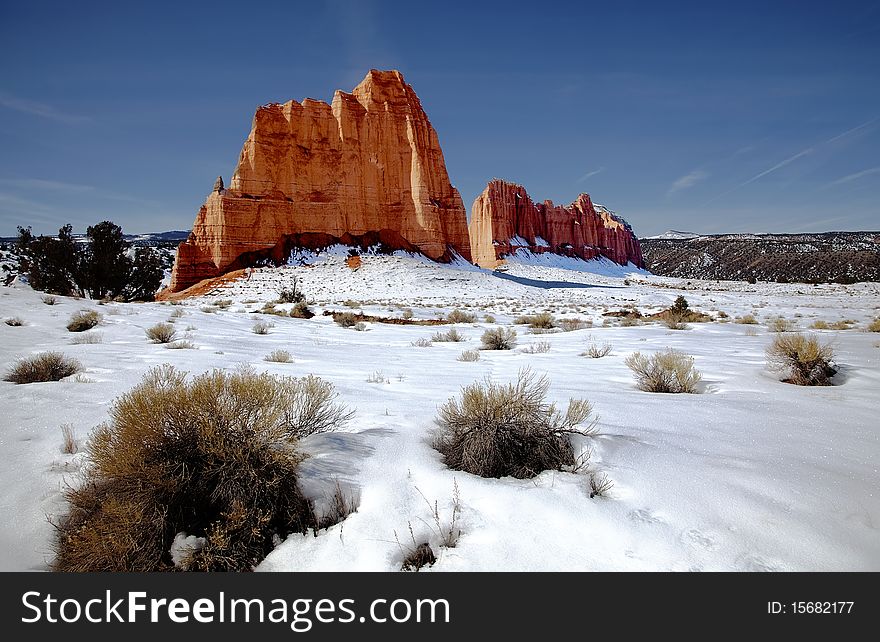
(365,170)
(504,219)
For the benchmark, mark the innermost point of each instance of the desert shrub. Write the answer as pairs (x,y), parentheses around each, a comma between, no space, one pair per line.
(87,338)
(570,325)
(596,351)
(378,377)
(261,327)
(176,314)
(68,441)
(223,304)
(46,366)
(452,335)
(489,318)
(407,313)
(83,320)
(350,303)
(675,321)
(669,371)
(499,430)
(780,324)
(161,333)
(874,326)
(211,462)
(819,324)
(751,332)
(499,339)
(48,299)
(628,322)
(802,360)
(15,322)
(457,316)
(360,326)
(423,342)
(346,319)
(278,356)
(469,355)
(209,309)
(540,347)
(746,319)
(599,485)
(291,295)
(182,344)
(677,315)
(301,310)
(542,321)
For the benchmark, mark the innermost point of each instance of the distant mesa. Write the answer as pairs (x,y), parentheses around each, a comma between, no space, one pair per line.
(504,220)
(365,170)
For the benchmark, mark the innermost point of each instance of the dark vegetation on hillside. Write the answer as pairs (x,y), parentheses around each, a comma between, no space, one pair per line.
(838,257)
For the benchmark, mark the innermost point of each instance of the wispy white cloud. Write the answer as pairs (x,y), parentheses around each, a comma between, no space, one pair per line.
(42,110)
(41,184)
(809,150)
(688,180)
(779,165)
(760,175)
(854,177)
(588,174)
(853,130)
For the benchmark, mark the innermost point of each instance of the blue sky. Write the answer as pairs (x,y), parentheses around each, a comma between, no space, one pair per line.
(707,117)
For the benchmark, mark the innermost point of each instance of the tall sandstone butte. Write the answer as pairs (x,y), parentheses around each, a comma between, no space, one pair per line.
(504,219)
(365,169)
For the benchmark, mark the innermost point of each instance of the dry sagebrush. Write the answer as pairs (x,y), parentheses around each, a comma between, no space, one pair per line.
(669,371)
(83,320)
(214,458)
(802,360)
(457,316)
(161,333)
(46,366)
(499,430)
(499,339)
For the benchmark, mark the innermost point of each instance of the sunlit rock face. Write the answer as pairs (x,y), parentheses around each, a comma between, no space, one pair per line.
(504,219)
(364,170)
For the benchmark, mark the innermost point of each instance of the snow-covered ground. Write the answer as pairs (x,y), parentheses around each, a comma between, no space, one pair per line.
(751,474)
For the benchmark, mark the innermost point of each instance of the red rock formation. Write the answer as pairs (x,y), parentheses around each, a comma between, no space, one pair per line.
(365,169)
(504,219)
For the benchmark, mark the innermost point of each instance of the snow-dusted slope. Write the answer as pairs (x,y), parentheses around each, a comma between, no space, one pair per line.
(674,234)
(752,474)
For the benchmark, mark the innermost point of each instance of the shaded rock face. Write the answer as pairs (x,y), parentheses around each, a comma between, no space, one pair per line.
(504,219)
(365,169)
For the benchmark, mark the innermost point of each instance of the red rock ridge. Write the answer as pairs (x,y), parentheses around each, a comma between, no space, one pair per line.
(365,169)
(504,219)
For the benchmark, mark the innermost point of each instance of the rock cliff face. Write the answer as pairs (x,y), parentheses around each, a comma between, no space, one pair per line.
(363,170)
(504,219)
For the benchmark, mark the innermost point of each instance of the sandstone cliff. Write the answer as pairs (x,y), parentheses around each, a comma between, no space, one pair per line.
(504,219)
(363,170)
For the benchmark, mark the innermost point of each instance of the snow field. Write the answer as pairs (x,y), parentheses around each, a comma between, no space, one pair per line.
(751,474)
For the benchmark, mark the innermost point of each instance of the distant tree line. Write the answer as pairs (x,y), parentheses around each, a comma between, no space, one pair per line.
(106,266)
